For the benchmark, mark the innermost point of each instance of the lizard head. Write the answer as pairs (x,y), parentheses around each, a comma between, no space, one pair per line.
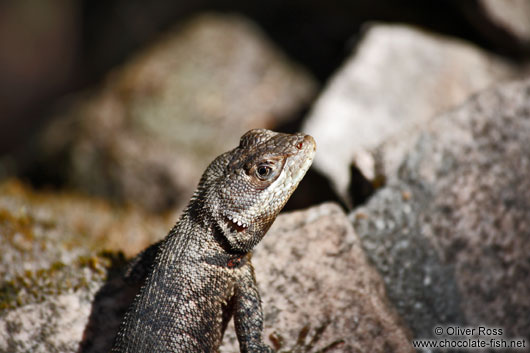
(256,181)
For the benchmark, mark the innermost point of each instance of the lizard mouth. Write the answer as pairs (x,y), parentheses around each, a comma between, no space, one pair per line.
(235,224)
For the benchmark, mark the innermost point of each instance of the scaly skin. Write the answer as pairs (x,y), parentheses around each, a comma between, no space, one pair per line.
(201,275)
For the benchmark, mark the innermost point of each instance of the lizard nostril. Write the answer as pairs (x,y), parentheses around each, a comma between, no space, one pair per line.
(299,145)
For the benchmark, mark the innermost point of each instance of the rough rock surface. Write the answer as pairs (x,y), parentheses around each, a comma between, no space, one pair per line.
(450,235)
(148,134)
(61,277)
(59,292)
(81,222)
(419,283)
(49,275)
(398,78)
(318,288)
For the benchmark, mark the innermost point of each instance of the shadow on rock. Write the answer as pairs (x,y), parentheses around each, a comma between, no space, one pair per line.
(314,189)
(109,306)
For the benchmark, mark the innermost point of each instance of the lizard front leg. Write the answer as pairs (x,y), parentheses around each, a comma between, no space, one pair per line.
(248,317)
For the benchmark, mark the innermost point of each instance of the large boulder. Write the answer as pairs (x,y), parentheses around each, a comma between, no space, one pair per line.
(53,263)
(397,79)
(81,222)
(319,290)
(149,132)
(60,292)
(450,234)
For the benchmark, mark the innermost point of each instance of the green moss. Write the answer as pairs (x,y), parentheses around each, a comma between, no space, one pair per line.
(8,294)
(11,224)
(57,266)
(38,238)
(58,278)
(92,262)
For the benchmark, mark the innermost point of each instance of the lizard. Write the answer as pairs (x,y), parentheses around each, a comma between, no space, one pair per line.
(201,275)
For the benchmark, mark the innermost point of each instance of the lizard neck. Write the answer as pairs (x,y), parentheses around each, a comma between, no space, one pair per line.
(229,236)
(207,212)
(238,240)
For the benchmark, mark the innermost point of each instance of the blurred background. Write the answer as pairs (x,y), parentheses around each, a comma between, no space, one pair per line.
(53,53)
(52,48)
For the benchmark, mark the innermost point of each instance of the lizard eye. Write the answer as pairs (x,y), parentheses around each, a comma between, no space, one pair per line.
(267,170)
(263,172)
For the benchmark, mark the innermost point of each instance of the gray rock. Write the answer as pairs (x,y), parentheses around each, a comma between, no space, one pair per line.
(421,286)
(61,280)
(315,280)
(503,23)
(147,135)
(60,293)
(45,220)
(450,234)
(513,15)
(397,79)
(54,325)
(47,283)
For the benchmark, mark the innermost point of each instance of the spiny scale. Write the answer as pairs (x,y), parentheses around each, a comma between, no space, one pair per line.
(201,275)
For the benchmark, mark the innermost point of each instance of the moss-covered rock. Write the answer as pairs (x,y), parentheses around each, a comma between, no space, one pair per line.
(57,251)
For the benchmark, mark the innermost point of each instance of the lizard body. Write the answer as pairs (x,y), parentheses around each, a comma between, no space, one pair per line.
(200,275)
